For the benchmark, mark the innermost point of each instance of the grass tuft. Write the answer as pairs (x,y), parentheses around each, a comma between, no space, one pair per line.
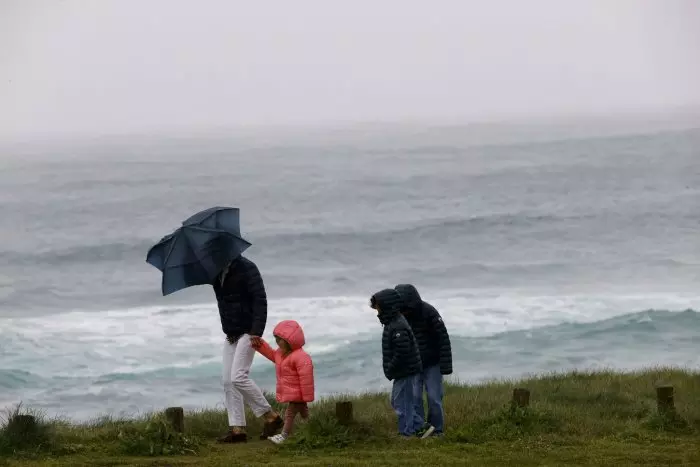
(508,424)
(25,432)
(669,422)
(322,430)
(156,438)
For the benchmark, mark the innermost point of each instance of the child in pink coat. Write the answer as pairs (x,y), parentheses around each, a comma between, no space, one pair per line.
(295,373)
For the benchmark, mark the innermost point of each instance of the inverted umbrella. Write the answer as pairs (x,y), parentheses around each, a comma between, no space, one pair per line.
(199,250)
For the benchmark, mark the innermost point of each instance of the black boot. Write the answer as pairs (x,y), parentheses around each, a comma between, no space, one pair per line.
(233,437)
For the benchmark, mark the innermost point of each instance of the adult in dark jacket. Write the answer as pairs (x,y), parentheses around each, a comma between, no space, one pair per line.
(400,358)
(435,351)
(240,294)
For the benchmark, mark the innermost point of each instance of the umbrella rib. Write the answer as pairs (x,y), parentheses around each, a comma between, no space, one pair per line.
(198,262)
(219,232)
(172,247)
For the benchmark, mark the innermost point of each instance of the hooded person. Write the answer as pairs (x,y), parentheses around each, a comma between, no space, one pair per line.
(436,354)
(295,373)
(400,358)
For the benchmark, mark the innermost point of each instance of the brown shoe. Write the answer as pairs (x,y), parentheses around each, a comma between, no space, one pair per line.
(271,428)
(233,437)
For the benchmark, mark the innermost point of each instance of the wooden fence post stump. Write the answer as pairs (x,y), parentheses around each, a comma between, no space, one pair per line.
(343,412)
(664,400)
(521,397)
(176,418)
(24,424)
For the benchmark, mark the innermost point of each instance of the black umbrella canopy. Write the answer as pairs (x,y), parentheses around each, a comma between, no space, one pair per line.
(199,250)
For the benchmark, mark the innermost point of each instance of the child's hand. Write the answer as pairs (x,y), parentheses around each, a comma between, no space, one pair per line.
(255,342)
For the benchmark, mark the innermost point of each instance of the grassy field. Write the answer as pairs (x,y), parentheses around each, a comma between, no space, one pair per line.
(574,419)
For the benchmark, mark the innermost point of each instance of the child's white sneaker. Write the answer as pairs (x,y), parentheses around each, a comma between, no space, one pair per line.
(278,439)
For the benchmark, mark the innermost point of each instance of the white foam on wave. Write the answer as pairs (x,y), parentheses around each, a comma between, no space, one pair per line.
(485,313)
(139,340)
(91,344)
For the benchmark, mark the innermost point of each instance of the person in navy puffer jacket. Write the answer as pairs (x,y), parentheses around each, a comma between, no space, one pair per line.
(436,355)
(400,358)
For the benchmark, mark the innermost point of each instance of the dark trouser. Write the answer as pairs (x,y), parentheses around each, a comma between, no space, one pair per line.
(403,402)
(431,380)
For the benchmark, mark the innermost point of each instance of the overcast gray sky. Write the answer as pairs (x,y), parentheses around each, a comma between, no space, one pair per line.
(72,66)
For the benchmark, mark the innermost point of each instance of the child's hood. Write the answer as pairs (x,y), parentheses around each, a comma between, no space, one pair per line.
(389,303)
(290,331)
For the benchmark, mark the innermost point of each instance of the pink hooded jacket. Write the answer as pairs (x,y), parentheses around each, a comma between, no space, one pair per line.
(295,371)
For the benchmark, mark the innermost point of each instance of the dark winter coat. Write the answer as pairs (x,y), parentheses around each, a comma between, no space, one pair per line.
(400,354)
(242,299)
(429,329)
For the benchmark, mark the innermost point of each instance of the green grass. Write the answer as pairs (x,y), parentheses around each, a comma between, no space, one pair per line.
(578,418)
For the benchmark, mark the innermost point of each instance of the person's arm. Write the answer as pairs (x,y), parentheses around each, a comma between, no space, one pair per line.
(396,348)
(265,350)
(305,370)
(258,296)
(443,340)
(387,354)
(401,345)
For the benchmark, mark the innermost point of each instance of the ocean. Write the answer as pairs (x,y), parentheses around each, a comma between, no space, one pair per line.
(542,254)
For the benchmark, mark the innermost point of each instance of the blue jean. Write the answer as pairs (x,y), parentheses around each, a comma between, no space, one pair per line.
(403,402)
(431,380)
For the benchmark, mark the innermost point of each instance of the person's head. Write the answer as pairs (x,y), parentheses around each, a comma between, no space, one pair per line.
(411,299)
(387,302)
(373,304)
(283,345)
(289,335)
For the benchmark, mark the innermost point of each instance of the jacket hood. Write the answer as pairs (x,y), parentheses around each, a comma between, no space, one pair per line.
(412,300)
(290,331)
(388,302)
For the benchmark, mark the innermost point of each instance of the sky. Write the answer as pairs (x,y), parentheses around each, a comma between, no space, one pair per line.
(74,67)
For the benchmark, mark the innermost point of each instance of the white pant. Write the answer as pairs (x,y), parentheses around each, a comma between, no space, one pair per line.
(238,386)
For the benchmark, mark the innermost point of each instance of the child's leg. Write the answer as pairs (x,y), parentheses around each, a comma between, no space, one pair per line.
(403,400)
(419,411)
(434,388)
(289,415)
(304,410)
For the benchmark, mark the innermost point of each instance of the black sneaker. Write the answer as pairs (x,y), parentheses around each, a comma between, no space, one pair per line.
(233,438)
(272,428)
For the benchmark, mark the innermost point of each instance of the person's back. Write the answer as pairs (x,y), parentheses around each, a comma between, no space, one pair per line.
(436,353)
(428,328)
(400,357)
(241,299)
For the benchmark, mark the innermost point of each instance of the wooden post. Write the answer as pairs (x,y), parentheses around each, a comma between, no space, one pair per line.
(24,424)
(343,412)
(176,417)
(664,400)
(521,397)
